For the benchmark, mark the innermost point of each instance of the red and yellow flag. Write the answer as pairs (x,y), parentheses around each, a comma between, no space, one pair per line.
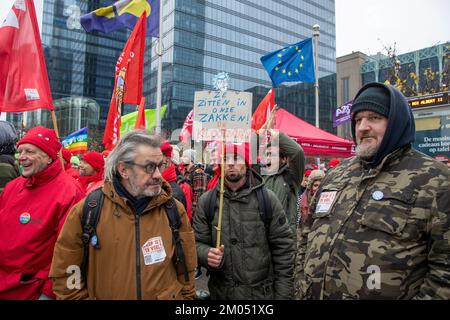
(128,82)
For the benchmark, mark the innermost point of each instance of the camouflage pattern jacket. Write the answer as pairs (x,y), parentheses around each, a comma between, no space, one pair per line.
(385,235)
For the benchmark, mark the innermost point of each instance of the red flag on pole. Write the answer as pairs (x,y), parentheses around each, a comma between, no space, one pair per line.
(127,83)
(264,108)
(23,75)
(140,119)
(186,131)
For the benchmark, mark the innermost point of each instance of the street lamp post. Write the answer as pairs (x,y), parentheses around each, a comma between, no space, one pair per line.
(159,75)
(316,33)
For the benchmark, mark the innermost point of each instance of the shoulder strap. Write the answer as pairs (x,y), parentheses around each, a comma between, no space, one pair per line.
(175,222)
(211,205)
(264,205)
(263,200)
(89,220)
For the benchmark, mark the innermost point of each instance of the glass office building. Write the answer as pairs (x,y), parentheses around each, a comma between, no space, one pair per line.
(205,37)
(79,64)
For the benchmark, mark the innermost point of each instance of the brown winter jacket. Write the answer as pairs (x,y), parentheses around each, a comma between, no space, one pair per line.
(113,271)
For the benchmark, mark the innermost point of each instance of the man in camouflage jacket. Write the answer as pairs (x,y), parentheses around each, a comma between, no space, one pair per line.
(380,221)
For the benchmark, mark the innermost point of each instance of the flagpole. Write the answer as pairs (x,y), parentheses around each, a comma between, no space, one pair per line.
(316,33)
(55,125)
(159,79)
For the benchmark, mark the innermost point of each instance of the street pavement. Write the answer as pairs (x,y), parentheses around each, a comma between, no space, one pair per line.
(201,285)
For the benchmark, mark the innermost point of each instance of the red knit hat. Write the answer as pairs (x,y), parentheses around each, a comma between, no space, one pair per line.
(333,163)
(242,150)
(43,138)
(105,153)
(166,149)
(307,172)
(95,160)
(66,154)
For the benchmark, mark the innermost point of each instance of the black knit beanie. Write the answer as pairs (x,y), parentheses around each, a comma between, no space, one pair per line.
(376,99)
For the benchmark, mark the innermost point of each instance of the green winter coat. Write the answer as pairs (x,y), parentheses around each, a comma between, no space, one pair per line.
(256,265)
(385,235)
(286,182)
(9,170)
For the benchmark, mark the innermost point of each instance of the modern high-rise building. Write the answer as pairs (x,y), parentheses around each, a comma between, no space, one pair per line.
(205,37)
(201,38)
(80,65)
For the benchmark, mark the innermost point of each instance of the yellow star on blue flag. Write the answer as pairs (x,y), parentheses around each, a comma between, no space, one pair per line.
(293,63)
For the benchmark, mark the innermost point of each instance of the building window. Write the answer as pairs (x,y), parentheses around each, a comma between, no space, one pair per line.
(345,90)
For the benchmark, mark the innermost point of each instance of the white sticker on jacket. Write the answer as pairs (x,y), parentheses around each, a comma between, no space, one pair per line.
(153,251)
(326,201)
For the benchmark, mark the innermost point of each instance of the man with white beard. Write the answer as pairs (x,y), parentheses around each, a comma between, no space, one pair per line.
(379,224)
(140,245)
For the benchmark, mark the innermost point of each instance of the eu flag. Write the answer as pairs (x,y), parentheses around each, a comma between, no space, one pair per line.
(123,14)
(291,64)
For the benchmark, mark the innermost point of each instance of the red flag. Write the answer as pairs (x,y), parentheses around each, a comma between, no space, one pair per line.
(140,119)
(186,131)
(23,76)
(264,108)
(127,83)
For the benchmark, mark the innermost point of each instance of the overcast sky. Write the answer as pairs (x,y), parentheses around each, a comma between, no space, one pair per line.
(369,25)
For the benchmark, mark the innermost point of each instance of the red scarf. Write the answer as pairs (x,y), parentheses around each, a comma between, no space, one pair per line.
(170,174)
(86,180)
(213,182)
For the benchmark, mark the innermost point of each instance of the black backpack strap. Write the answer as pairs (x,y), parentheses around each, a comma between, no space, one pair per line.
(211,205)
(175,222)
(264,205)
(89,220)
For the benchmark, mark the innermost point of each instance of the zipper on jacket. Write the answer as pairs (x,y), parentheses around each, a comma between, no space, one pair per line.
(138,258)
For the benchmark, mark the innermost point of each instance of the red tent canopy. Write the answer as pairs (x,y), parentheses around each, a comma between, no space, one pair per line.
(314,141)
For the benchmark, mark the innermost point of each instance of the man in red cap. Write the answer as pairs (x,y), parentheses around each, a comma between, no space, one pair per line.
(67,155)
(33,208)
(256,257)
(169,174)
(92,168)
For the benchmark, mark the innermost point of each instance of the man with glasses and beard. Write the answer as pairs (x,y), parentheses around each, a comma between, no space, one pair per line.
(133,256)
(379,223)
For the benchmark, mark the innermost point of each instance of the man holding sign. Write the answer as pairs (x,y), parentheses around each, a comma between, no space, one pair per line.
(256,257)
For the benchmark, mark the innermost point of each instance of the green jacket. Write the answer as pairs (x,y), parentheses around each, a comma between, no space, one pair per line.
(286,182)
(258,262)
(386,235)
(9,170)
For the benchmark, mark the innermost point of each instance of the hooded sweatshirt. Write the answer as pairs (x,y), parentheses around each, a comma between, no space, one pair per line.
(400,130)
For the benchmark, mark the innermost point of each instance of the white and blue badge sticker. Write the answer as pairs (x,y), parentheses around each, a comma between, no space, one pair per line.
(326,201)
(153,251)
(24,218)
(377,195)
(94,240)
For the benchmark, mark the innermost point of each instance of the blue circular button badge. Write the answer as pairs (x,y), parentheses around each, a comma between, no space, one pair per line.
(24,218)
(377,195)
(94,240)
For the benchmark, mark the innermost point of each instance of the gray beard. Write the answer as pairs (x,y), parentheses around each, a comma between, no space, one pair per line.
(137,193)
(366,152)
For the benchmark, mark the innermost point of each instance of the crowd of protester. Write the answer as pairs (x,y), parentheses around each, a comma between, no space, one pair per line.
(141,221)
